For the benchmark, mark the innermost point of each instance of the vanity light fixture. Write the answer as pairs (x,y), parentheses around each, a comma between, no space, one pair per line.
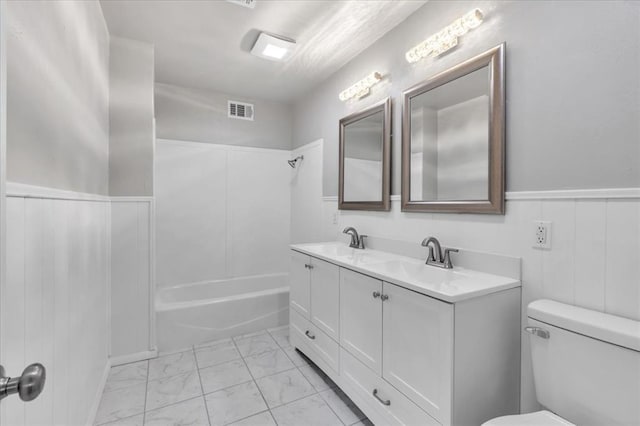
(446,38)
(361,88)
(274,48)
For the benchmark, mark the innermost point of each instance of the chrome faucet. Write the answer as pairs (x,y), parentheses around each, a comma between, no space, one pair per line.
(435,257)
(357,241)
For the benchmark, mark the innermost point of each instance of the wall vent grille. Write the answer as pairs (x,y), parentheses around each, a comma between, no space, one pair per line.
(240,110)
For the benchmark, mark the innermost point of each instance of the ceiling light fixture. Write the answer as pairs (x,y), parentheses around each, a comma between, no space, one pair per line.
(251,4)
(446,38)
(274,48)
(361,88)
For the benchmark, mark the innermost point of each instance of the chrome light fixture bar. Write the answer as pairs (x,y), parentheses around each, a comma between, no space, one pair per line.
(446,38)
(361,88)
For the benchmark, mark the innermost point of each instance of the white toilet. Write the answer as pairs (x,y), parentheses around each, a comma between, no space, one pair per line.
(586,367)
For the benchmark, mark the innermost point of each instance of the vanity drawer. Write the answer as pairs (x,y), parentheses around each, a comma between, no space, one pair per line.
(320,344)
(360,383)
(327,348)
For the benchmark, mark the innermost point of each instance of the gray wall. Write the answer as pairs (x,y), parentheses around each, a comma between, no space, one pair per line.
(201,116)
(58,95)
(573,98)
(131,145)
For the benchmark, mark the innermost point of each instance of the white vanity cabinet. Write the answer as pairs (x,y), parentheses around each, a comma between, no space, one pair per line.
(314,291)
(409,358)
(325,297)
(315,302)
(300,284)
(361,318)
(418,331)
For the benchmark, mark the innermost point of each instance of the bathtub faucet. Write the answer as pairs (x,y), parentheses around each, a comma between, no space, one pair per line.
(357,241)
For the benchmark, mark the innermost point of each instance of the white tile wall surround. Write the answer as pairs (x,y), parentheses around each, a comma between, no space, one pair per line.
(57,290)
(228,207)
(594,260)
(306,194)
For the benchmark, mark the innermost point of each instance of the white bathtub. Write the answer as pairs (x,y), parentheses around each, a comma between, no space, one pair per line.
(194,313)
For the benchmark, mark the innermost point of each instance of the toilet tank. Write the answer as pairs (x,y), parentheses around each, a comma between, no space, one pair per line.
(587,369)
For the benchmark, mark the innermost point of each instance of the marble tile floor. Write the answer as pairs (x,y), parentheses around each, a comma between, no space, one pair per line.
(257,379)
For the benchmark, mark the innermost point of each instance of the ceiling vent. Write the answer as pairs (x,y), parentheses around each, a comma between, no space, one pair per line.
(240,110)
(246,3)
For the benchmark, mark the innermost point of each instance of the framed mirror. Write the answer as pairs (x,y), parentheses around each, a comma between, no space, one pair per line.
(453,139)
(365,159)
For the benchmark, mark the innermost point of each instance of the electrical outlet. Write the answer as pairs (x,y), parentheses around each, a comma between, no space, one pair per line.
(541,234)
(335,218)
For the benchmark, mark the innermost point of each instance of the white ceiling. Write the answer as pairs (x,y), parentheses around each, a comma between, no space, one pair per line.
(206,44)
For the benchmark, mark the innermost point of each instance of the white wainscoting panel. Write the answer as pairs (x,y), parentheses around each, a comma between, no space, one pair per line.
(622,283)
(132,289)
(593,262)
(591,243)
(55,306)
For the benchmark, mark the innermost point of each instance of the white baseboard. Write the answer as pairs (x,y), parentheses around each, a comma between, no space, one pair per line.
(93,411)
(129,358)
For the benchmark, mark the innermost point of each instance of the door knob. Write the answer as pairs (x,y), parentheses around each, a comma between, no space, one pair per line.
(28,386)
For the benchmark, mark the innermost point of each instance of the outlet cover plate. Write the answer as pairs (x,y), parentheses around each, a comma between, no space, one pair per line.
(541,234)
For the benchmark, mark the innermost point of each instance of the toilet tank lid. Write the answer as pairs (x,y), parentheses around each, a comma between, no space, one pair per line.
(598,325)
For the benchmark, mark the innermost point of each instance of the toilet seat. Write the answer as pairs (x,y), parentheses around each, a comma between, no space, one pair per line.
(539,418)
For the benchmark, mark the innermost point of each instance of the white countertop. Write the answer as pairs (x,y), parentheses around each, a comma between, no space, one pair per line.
(449,285)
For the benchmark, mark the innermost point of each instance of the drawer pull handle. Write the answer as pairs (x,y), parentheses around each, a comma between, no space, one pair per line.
(376,294)
(306,265)
(309,335)
(384,297)
(382,401)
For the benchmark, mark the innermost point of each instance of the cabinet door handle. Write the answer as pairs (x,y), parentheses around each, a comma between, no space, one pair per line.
(306,265)
(376,294)
(384,297)
(382,401)
(309,335)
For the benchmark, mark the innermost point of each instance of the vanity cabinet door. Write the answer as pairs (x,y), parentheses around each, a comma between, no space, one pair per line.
(325,297)
(300,280)
(418,349)
(361,318)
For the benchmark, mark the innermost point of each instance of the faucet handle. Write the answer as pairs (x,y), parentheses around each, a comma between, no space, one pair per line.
(431,258)
(361,243)
(447,257)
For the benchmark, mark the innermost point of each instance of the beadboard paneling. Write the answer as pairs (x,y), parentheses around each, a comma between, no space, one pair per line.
(56,294)
(593,261)
(131,278)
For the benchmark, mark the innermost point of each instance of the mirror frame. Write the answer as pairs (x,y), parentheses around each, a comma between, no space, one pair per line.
(385,203)
(493,58)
